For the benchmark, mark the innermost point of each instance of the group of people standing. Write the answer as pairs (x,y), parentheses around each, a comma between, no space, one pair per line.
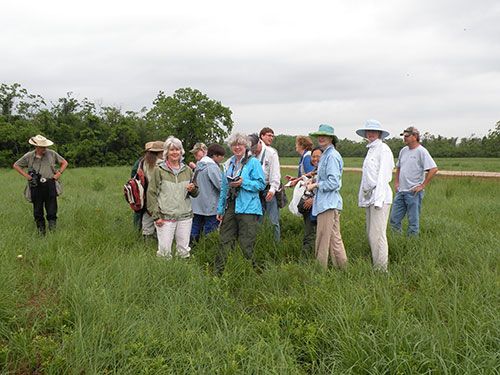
(185,201)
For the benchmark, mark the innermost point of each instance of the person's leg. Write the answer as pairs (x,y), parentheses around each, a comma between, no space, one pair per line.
(323,235)
(273,212)
(228,233)
(398,212)
(38,202)
(197,227)
(377,236)
(51,204)
(165,235)
(148,225)
(182,236)
(337,250)
(247,233)
(211,224)
(309,235)
(414,202)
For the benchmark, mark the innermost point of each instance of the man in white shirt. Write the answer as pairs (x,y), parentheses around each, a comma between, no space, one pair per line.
(414,160)
(269,159)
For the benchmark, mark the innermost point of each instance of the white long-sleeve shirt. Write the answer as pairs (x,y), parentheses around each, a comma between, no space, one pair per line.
(270,162)
(377,174)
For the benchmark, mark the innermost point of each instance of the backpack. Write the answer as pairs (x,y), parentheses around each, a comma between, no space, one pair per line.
(135,188)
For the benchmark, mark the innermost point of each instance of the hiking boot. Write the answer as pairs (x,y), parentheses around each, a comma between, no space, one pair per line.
(52,225)
(41,228)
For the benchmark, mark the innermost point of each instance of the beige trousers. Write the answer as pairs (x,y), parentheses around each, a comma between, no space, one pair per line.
(376,229)
(329,240)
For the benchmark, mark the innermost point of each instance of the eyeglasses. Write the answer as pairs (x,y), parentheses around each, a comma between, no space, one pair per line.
(407,135)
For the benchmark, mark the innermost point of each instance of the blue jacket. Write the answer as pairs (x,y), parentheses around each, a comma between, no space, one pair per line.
(208,180)
(247,200)
(329,180)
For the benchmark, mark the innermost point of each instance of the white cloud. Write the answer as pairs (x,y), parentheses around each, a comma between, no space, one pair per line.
(289,64)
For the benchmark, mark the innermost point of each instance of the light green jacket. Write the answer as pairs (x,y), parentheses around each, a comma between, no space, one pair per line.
(167,197)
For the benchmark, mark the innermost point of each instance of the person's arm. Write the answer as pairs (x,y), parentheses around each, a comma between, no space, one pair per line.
(21,171)
(274,173)
(430,173)
(384,177)
(396,180)
(152,200)
(63,164)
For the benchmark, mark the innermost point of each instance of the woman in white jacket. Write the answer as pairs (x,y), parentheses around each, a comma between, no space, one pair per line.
(375,193)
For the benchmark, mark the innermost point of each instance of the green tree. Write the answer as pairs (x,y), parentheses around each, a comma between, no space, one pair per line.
(191,116)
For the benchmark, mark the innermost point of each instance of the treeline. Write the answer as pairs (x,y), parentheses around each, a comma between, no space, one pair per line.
(438,146)
(88,135)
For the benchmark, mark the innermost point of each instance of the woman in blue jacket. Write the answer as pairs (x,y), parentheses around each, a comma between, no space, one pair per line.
(327,201)
(239,203)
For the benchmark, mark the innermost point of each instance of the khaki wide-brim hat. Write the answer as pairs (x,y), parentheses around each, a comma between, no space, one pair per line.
(40,141)
(155,146)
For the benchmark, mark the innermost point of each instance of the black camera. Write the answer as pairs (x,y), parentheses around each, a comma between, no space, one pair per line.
(35,178)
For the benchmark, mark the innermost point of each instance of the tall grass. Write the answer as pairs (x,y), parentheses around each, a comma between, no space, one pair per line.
(93,298)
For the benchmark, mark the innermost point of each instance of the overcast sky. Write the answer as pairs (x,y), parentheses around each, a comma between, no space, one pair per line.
(286,64)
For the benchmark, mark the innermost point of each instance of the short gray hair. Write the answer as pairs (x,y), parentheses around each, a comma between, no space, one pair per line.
(238,139)
(172,142)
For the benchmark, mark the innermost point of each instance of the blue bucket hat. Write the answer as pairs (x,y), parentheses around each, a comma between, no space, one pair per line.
(326,130)
(372,125)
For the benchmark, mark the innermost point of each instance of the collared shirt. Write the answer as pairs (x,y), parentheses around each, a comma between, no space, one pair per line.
(269,160)
(46,165)
(377,174)
(329,179)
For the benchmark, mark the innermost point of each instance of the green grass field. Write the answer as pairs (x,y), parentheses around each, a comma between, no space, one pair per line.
(93,298)
(448,164)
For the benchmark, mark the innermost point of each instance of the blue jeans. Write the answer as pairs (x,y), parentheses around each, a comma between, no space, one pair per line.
(407,202)
(203,224)
(273,212)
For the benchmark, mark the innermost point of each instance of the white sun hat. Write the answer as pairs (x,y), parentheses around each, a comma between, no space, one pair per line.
(372,125)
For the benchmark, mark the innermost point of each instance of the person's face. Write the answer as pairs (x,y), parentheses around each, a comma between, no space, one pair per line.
(198,155)
(174,154)
(299,148)
(315,156)
(238,150)
(324,141)
(40,150)
(159,155)
(409,139)
(267,138)
(372,135)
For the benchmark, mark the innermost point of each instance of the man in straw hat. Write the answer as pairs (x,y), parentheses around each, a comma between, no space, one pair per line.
(327,202)
(42,176)
(411,179)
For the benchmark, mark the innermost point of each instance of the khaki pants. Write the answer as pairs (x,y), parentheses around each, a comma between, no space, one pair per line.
(329,240)
(376,229)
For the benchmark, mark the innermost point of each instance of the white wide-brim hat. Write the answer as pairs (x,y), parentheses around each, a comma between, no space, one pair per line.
(40,141)
(372,125)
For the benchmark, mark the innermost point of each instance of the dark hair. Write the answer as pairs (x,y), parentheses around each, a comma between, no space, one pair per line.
(316,149)
(215,149)
(265,131)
